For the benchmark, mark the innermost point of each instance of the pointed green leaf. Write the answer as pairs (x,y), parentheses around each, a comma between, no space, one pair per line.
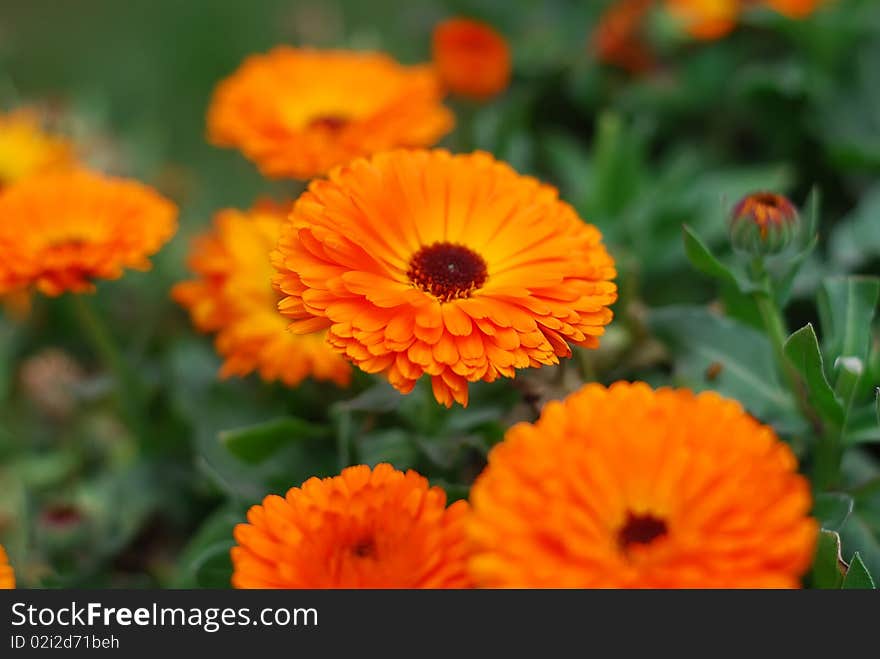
(715,352)
(857,576)
(877,403)
(827,573)
(256,443)
(702,259)
(832,509)
(802,350)
(846,309)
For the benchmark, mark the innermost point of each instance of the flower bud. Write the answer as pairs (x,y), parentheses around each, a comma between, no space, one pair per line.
(763,223)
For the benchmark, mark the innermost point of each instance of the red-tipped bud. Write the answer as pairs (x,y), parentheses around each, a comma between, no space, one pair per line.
(763,223)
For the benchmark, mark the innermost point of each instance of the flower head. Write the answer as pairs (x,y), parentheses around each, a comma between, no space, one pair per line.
(378,528)
(25,149)
(471,58)
(763,223)
(617,37)
(421,262)
(233,296)
(627,487)
(60,231)
(706,19)
(7,575)
(795,8)
(298,112)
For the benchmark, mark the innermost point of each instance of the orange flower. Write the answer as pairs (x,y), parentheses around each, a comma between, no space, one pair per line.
(706,19)
(365,528)
(62,230)
(233,296)
(471,58)
(795,8)
(455,266)
(298,112)
(7,575)
(617,40)
(26,150)
(628,487)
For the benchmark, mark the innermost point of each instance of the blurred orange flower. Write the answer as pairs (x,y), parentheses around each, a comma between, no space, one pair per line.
(7,575)
(297,113)
(627,487)
(795,8)
(365,528)
(706,19)
(451,265)
(617,38)
(60,231)
(472,59)
(25,149)
(233,296)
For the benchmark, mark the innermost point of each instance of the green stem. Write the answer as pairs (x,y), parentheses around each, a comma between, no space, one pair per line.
(774,324)
(128,394)
(466,126)
(827,455)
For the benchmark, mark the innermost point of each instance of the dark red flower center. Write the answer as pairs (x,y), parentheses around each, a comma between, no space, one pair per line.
(640,530)
(329,122)
(364,548)
(769,199)
(447,271)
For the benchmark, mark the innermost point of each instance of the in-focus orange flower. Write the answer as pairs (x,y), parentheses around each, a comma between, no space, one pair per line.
(233,296)
(795,8)
(60,231)
(706,19)
(472,58)
(25,149)
(617,37)
(627,487)
(7,575)
(298,112)
(455,266)
(378,528)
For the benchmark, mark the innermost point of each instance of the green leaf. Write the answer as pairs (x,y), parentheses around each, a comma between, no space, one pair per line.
(877,403)
(393,445)
(256,443)
(846,309)
(827,573)
(857,237)
(802,350)
(832,509)
(860,533)
(702,259)
(857,576)
(714,352)
(214,535)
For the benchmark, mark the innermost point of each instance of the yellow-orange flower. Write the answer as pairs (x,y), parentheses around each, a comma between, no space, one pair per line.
(60,231)
(451,265)
(298,112)
(365,528)
(706,19)
(471,58)
(7,575)
(795,8)
(233,296)
(25,149)
(627,487)
(617,37)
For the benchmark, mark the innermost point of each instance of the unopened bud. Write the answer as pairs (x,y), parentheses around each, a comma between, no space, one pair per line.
(763,223)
